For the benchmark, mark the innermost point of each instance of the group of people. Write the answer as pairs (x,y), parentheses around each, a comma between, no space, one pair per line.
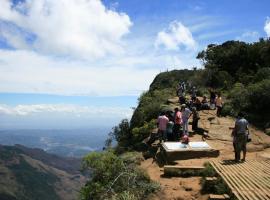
(173,126)
(215,102)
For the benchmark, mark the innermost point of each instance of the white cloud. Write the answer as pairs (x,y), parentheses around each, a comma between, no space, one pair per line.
(267,26)
(50,116)
(43,29)
(75,110)
(75,28)
(249,36)
(175,36)
(28,72)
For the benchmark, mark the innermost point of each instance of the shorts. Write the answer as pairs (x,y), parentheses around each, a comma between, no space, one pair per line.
(241,142)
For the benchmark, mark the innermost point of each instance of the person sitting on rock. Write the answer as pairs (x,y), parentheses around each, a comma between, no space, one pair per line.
(205,104)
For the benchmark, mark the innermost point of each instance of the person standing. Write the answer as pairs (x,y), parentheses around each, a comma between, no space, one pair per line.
(162,122)
(193,93)
(240,131)
(219,104)
(177,123)
(169,130)
(212,99)
(195,119)
(186,113)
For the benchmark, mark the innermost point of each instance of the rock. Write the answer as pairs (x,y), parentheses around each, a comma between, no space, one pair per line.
(187,188)
(174,100)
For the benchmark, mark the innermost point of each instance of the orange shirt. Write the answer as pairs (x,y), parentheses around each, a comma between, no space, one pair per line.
(219,101)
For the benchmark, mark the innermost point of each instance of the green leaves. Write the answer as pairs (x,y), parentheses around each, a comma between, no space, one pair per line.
(115,177)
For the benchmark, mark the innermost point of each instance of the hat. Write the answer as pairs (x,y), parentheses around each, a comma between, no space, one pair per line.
(183,105)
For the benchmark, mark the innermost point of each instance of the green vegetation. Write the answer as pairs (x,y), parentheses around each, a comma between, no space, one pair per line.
(115,177)
(240,71)
(216,187)
(208,171)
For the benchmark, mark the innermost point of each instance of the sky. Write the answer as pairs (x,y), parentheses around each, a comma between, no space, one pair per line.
(84,63)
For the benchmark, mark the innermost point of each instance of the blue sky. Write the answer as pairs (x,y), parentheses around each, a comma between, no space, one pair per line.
(78,63)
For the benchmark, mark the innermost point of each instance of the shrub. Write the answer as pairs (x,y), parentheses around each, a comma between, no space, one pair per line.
(222,79)
(262,74)
(238,97)
(228,110)
(208,170)
(149,106)
(142,132)
(115,177)
(259,97)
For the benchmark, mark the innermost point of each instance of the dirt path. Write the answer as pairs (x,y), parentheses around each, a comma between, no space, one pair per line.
(178,188)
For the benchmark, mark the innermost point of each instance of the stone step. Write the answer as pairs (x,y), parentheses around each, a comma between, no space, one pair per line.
(177,170)
(210,179)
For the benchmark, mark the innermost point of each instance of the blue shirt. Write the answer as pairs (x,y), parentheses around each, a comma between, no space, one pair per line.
(241,126)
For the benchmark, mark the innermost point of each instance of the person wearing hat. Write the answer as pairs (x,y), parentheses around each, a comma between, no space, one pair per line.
(186,113)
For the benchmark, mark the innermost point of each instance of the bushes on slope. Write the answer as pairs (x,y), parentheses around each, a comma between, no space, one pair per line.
(115,177)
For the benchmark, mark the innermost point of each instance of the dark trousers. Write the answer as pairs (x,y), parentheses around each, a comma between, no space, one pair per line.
(176,131)
(219,108)
(195,124)
(170,136)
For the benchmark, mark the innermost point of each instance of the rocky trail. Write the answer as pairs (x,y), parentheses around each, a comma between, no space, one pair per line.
(219,132)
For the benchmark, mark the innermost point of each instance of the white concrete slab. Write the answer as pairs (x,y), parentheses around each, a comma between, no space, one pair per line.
(175,145)
(199,145)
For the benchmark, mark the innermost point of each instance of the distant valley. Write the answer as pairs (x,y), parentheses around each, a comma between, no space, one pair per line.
(67,143)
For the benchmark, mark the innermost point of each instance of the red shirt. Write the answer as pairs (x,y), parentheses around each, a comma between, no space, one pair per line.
(178,118)
(162,122)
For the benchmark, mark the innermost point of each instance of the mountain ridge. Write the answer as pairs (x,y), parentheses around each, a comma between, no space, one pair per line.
(51,176)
